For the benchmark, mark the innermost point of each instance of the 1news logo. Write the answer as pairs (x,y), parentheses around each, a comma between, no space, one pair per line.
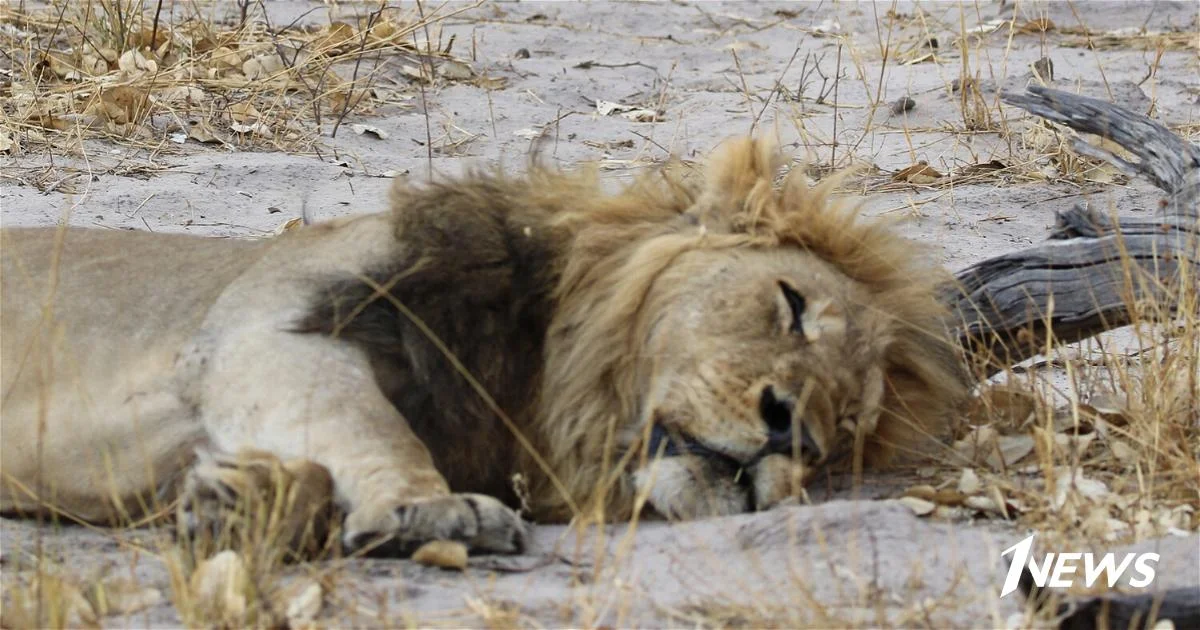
(1059,570)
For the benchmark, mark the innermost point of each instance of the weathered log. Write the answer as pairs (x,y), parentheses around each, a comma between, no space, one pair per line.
(1115,611)
(1095,273)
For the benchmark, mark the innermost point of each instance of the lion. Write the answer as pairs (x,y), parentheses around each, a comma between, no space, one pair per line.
(691,345)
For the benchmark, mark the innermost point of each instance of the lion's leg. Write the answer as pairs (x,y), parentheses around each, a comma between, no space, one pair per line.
(324,405)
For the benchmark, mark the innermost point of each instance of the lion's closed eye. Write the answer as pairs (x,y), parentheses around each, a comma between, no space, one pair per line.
(793,315)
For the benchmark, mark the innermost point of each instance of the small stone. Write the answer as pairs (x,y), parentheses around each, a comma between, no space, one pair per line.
(446,554)
(903,104)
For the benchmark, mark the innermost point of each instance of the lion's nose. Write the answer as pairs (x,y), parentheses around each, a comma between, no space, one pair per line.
(778,412)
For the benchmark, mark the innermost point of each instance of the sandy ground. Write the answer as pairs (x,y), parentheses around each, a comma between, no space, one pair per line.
(714,70)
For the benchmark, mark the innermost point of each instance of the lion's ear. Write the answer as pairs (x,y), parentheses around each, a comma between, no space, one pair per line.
(738,188)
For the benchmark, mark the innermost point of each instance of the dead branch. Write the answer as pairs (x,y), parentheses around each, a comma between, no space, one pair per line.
(1095,273)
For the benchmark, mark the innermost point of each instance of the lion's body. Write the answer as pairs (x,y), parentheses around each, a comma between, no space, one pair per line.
(367,345)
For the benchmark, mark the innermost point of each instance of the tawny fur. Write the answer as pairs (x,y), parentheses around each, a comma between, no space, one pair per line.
(535,294)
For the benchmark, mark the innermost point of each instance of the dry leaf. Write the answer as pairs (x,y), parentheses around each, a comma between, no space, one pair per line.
(7,143)
(1037,25)
(290,225)
(262,67)
(225,59)
(244,112)
(182,95)
(1109,407)
(124,104)
(1123,452)
(918,506)
(93,65)
(1010,449)
(636,114)
(221,590)
(133,62)
(447,554)
(381,31)
(919,173)
(985,167)
(344,100)
(455,70)
(829,26)
(60,66)
(369,130)
(969,482)
(986,504)
(303,608)
(336,34)
(199,131)
(1070,483)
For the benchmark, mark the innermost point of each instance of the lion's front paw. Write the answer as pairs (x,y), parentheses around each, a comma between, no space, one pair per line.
(481,522)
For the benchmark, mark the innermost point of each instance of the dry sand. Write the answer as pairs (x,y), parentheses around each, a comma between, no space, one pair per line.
(713,69)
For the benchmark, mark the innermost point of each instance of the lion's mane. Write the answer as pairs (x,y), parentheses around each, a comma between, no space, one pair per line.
(535,285)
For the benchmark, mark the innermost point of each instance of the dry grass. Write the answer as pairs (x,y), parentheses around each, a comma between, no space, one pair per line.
(153,76)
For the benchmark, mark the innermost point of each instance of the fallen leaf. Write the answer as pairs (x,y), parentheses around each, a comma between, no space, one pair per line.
(244,112)
(304,607)
(221,590)
(262,67)
(257,128)
(1111,408)
(225,59)
(1037,25)
(985,504)
(1072,483)
(636,114)
(455,70)
(918,506)
(369,130)
(182,95)
(382,31)
(1010,450)
(919,173)
(1123,452)
(969,482)
(133,62)
(199,131)
(290,225)
(336,34)
(829,26)
(985,167)
(124,104)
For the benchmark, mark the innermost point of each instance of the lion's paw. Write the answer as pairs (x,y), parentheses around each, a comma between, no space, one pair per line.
(254,498)
(482,523)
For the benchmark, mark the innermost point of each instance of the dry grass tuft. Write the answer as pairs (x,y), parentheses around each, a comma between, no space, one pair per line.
(133,73)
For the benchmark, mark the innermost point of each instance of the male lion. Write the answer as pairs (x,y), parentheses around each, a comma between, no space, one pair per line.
(697,342)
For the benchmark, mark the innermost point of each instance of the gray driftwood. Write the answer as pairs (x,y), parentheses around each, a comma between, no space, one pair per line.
(1085,278)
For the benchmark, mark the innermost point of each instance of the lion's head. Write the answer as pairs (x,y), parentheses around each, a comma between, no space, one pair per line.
(718,338)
